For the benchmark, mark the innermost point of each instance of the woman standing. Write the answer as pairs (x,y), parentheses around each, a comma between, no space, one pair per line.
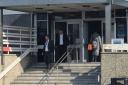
(96,42)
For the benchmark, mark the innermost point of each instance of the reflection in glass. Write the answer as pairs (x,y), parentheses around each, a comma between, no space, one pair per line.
(73,32)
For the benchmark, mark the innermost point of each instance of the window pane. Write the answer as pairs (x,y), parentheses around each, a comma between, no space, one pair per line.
(120,13)
(41,16)
(121,30)
(95,14)
(68,15)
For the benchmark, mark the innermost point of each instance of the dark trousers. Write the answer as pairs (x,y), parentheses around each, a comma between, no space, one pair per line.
(61,49)
(90,56)
(47,58)
(94,58)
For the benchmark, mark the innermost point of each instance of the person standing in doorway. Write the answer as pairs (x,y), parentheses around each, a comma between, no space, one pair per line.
(61,44)
(48,50)
(96,42)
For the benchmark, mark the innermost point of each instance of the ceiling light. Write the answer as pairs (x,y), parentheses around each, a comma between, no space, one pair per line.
(95,7)
(50,11)
(39,8)
(86,6)
(65,7)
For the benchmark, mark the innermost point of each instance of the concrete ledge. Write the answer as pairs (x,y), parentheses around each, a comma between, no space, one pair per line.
(16,71)
(114,52)
(113,65)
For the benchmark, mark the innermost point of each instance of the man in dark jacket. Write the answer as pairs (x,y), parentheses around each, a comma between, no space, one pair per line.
(48,50)
(61,44)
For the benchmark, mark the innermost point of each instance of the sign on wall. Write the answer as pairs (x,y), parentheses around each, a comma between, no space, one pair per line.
(117,41)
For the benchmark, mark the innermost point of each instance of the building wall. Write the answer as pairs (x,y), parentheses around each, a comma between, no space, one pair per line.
(113,65)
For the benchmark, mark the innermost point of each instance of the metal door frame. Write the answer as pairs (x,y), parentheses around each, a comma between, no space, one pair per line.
(70,21)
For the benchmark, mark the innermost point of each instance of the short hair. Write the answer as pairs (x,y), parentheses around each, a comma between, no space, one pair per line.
(46,35)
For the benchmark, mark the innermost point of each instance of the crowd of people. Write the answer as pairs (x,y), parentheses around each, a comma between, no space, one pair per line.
(61,44)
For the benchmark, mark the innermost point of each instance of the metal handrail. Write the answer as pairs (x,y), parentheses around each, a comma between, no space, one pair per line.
(55,66)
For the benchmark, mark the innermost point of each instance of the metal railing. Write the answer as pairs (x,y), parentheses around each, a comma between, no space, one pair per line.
(19,38)
(55,66)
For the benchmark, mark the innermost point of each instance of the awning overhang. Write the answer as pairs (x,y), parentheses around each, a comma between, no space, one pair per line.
(28,5)
(123,3)
(10,3)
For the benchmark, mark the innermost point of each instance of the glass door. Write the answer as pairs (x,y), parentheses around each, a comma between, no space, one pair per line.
(75,38)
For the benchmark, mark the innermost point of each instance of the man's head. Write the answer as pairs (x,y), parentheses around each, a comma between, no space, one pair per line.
(46,37)
(60,31)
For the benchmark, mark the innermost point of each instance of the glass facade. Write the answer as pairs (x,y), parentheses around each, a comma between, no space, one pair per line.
(73,33)
(120,13)
(121,28)
(42,30)
(95,14)
(96,23)
(118,17)
(42,26)
(68,15)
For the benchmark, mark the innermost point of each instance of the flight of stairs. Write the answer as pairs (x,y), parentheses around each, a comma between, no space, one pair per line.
(67,74)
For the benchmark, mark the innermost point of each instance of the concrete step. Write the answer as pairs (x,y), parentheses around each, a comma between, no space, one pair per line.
(58,82)
(39,65)
(55,84)
(61,72)
(67,74)
(62,75)
(95,64)
(59,77)
(36,69)
(80,68)
(64,68)
(67,70)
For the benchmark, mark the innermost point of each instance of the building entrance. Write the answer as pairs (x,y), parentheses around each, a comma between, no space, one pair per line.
(73,32)
(93,27)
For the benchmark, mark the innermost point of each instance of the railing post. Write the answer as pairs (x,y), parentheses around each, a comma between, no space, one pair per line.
(1,36)
(57,73)
(77,54)
(20,41)
(30,30)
